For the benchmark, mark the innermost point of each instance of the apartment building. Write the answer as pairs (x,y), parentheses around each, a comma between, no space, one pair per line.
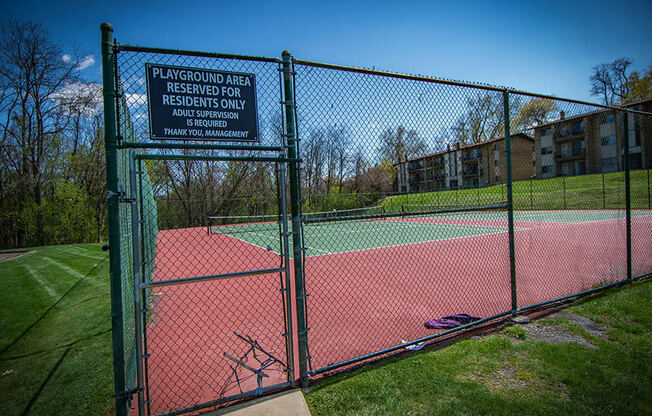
(593,142)
(470,166)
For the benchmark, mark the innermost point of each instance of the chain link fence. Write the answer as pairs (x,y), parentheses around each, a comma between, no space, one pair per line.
(419,208)
(441,248)
(212,299)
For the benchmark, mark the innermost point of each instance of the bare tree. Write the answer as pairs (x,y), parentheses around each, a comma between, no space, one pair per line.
(399,144)
(610,81)
(484,120)
(32,72)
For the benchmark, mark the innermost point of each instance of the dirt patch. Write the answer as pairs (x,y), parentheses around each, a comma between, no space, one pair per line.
(511,379)
(506,379)
(11,255)
(586,324)
(554,335)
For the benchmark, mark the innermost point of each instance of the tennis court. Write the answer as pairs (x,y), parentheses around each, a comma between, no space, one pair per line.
(340,231)
(347,235)
(372,280)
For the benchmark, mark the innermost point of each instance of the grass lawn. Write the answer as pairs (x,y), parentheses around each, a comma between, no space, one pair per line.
(55,355)
(572,192)
(55,339)
(511,373)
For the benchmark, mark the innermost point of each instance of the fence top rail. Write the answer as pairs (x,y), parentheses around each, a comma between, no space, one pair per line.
(279,159)
(215,146)
(135,48)
(433,80)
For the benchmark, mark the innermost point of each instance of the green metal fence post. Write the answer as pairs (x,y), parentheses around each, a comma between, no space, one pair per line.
(648,189)
(563,182)
(293,153)
(604,195)
(113,218)
(628,201)
(510,203)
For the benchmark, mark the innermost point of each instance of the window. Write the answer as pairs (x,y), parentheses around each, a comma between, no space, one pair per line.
(578,148)
(564,169)
(546,150)
(546,169)
(609,164)
(607,140)
(609,118)
(577,128)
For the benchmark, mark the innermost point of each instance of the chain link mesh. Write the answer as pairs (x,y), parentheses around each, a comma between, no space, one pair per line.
(405,221)
(214,339)
(433,154)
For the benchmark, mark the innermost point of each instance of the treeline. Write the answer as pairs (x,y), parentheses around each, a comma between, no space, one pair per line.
(52,184)
(334,175)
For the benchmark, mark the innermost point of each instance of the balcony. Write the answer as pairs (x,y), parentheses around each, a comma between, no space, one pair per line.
(415,165)
(436,161)
(471,155)
(472,172)
(569,132)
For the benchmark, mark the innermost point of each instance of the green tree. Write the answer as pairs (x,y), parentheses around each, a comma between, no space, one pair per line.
(639,85)
(533,113)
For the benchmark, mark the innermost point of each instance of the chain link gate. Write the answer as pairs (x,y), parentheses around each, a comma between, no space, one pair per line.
(201,281)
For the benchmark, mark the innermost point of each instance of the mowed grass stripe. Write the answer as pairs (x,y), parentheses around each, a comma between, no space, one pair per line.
(67,269)
(81,251)
(35,330)
(36,276)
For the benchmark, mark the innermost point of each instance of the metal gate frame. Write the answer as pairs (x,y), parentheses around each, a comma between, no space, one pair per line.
(286,161)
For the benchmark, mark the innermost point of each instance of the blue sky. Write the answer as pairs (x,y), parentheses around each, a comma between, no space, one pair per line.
(539,46)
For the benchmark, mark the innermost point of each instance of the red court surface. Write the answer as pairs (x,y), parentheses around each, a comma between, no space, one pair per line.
(359,302)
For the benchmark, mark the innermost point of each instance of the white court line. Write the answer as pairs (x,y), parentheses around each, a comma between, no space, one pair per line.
(418,242)
(275,240)
(245,241)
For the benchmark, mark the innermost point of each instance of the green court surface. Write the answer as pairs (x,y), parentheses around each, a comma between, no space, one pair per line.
(346,236)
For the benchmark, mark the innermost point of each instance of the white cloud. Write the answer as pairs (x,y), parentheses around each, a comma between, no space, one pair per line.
(66,58)
(86,98)
(135,99)
(85,62)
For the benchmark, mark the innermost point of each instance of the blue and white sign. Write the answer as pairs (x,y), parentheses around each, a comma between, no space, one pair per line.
(201,104)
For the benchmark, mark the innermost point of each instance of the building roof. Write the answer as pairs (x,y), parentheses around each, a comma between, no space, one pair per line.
(603,110)
(468,146)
